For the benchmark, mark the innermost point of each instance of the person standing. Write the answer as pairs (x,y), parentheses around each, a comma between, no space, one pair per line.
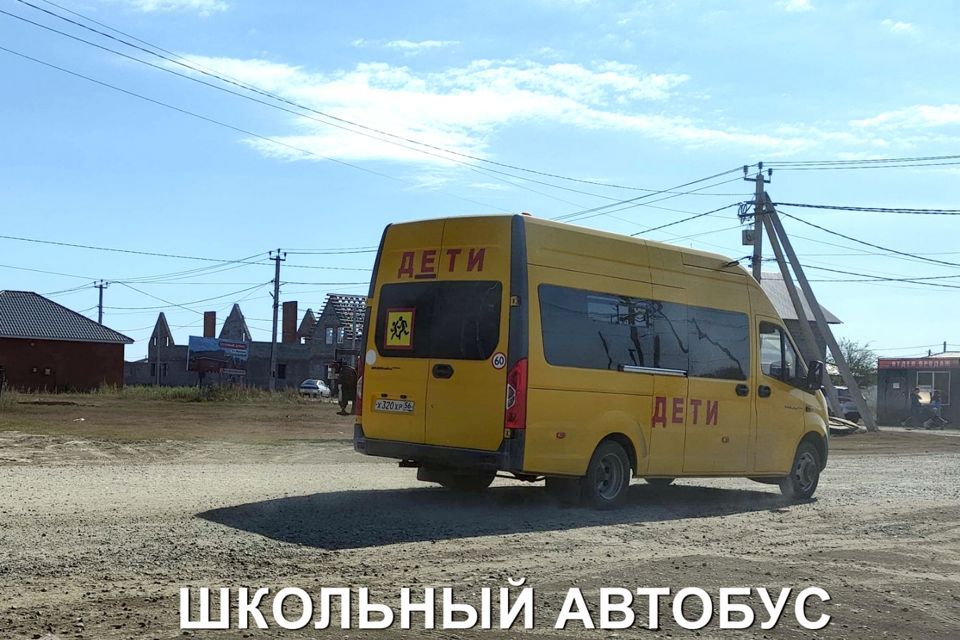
(936,403)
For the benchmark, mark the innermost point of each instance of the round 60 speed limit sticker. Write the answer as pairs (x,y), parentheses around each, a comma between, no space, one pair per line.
(499,360)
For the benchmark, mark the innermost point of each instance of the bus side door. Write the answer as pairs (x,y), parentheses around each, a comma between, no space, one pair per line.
(779,402)
(719,411)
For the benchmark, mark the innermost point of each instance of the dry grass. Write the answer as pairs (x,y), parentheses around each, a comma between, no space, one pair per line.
(204,394)
(137,414)
(8,398)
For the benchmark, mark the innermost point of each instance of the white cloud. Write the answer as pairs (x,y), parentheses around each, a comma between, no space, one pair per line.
(202,7)
(899,28)
(796,6)
(409,47)
(428,181)
(464,108)
(491,186)
(461,107)
(920,116)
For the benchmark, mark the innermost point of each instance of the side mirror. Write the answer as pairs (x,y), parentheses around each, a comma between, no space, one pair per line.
(815,375)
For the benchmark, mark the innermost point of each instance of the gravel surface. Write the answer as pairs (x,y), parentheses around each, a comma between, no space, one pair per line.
(97,538)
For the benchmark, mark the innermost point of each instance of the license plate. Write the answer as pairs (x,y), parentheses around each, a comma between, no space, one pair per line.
(393,406)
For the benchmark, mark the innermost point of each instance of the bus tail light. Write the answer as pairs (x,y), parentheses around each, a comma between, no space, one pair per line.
(515,416)
(358,396)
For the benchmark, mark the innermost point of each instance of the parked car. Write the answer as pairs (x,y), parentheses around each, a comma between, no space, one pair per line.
(314,389)
(847,406)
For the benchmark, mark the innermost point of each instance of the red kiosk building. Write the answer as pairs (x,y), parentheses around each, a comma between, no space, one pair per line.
(897,377)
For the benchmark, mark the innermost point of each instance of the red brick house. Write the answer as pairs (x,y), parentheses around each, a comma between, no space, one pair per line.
(44,345)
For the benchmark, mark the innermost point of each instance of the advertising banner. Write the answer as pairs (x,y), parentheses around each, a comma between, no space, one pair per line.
(213,355)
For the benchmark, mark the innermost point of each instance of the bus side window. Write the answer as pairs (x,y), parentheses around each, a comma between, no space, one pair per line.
(771,362)
(778,358)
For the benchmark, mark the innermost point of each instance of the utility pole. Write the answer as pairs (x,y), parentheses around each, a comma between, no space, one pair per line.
(101,285)
(808,338)
(758,209)
(821,323)
(277,257)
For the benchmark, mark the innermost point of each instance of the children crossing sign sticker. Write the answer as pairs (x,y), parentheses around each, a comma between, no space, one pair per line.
(399,330)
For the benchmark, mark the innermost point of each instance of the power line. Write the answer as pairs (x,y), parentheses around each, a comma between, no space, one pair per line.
(928,212)
(167,302)
(183,276)
(220,261)
(82,287)
(585,213)
(706,233)
(116,250)
(865,161)
(310,266)
(863,252)
(693,217)
(648,204)
(323,284)
(49,273)
(185,304)
(869,244)
(331,252)
(869,253)
(854,167)
(872,278)
(919,346)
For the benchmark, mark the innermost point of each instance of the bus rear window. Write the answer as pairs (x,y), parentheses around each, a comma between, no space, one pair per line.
(454,320)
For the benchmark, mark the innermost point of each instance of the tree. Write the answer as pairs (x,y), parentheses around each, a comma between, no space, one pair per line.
(861,359)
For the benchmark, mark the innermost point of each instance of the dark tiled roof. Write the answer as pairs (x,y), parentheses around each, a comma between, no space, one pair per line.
(24,314)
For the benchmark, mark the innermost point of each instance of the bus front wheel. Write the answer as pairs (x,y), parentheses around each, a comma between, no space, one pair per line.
(608,476)
(804,475)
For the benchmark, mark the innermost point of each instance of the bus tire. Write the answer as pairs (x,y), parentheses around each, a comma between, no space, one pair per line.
(472,482)
(608,476)
(804,475)
(660,482)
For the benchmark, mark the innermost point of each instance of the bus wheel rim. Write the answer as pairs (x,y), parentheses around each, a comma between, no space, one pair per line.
(805,472)
(610,477)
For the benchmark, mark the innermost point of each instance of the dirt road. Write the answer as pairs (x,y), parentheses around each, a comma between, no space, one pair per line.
(97,537)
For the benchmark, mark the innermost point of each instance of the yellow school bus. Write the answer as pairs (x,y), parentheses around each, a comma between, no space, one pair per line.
(513,345)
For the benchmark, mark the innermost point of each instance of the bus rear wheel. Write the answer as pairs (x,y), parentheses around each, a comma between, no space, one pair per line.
(804,475)
(608,476)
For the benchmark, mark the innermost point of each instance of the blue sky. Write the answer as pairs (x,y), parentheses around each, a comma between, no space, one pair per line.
(644,95)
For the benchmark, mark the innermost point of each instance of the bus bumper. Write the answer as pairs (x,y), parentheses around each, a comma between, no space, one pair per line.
(509,457)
